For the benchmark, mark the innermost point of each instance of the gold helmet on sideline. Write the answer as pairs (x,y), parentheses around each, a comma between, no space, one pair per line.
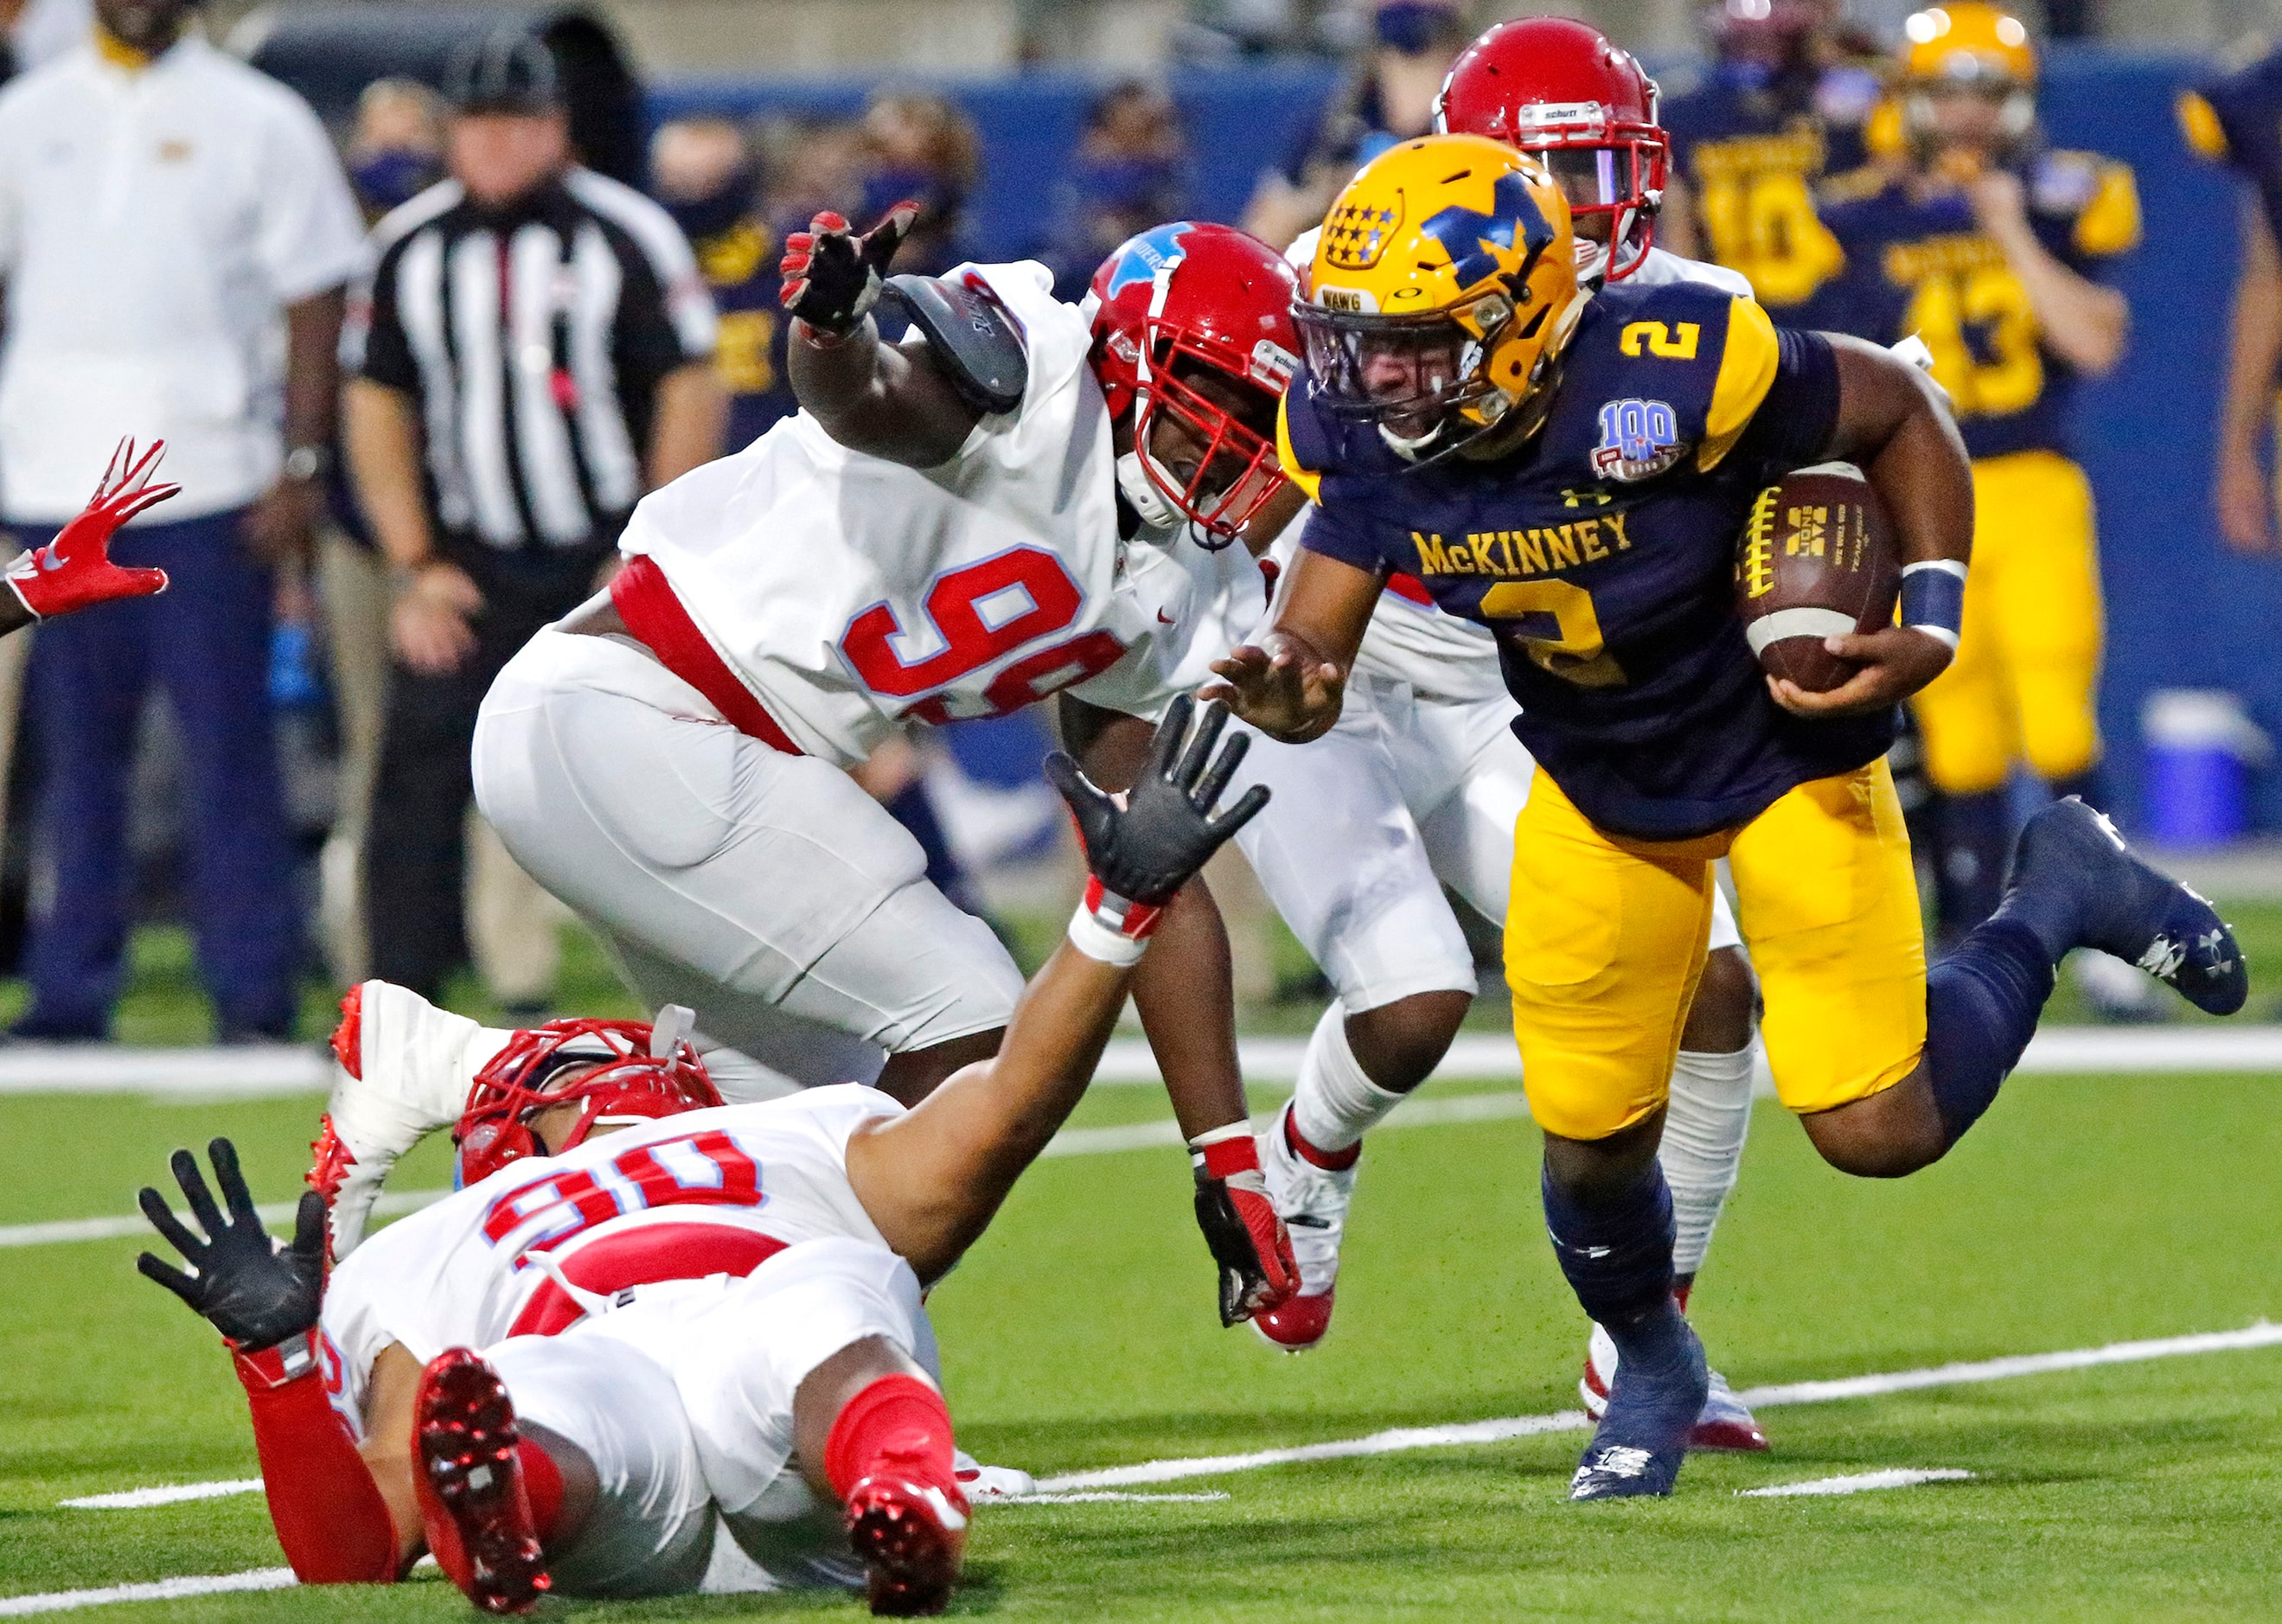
(1967,46)
(1443,291)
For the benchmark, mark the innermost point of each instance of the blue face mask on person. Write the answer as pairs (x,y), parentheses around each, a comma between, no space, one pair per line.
(393,176)
(883,189)
(1126,184)
(716,212)
(1411,26)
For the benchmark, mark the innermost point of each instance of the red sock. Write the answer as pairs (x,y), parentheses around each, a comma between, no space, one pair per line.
(1331,1161)
(542,1486)
(900,1417)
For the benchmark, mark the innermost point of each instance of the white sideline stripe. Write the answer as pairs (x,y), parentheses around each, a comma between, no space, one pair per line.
(1068,1142)
(133,1499)
(1893,1477)
(392,1204)
(1400,1439)
(261,1071)
(164,1590)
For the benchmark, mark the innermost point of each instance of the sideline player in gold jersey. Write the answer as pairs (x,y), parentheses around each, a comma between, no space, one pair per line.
(1573,472)
(1984,241)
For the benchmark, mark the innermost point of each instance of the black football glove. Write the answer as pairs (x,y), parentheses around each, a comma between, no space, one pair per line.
(1248,1240)
(1147,847)
(254,1292)
(832,276)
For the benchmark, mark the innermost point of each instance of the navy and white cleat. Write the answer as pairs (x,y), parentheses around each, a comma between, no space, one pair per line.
(1726,1423)
(2129,909)
(1652,1409)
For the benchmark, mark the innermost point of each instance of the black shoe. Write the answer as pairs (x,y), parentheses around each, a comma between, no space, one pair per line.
(2126,908)
(1653,1404)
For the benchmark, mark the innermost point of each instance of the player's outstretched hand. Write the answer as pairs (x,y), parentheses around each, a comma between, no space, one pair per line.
(254,1292)
(75,569)
(1281,687)
(1145,845)
(832,276)
(1896,662)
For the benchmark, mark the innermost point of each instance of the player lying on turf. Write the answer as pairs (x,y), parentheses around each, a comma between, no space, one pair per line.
(1575,472)
(1025,498)
(571,1370)
(74,571)
(1419,784)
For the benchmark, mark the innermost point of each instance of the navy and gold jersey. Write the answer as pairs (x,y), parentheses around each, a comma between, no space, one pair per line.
(1602,554)
(740,266)
(2238,121)
(1751,159)
(1921,265)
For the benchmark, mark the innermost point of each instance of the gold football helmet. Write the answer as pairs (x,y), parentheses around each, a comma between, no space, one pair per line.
(1967,47)
(1443,291)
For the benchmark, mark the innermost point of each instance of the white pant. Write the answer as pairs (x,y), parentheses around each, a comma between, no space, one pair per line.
(683,1401)
(1406,794)
(766,892)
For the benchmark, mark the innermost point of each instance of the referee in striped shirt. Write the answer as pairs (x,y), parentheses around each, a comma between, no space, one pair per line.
(530,351)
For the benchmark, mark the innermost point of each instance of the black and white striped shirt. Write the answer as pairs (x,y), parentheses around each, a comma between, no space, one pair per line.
(534,338)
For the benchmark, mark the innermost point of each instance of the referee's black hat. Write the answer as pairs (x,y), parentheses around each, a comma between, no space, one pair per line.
(504,71)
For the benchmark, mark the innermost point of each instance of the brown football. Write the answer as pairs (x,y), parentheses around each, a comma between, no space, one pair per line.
(1818,559)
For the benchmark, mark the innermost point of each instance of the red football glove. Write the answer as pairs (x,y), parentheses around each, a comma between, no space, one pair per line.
(1247,1239)
(75,569)
(832,276)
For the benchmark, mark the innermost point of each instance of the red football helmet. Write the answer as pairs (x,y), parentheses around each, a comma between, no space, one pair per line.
(1221,298)
(1561,91)
(638,1072)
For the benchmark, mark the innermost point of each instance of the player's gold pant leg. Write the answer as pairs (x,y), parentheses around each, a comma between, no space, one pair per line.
(1603,943)
(2024,681)
(1828,903)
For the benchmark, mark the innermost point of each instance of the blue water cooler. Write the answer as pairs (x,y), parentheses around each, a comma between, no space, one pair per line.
(2201,749)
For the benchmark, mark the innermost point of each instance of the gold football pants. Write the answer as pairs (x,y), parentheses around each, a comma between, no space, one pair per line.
(1605,937)
(2027,673)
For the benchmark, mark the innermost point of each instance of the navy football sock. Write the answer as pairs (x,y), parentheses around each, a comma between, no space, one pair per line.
(1618,1256)
(1983,1002)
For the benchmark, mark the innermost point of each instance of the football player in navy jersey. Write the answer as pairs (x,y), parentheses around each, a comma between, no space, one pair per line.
(1573,472)
(1780,108)
(2237,120)
(1987,242)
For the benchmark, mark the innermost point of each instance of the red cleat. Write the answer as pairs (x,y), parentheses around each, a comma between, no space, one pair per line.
(470,1480)
(911,1538)
(1296,1323)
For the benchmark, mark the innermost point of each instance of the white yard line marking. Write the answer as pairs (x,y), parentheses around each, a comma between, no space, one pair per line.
(392,1204)
(1069,1488)
(164,1590)
(190,1075)
(1098,1496)
(135,1499)
(1401,1439)
(1893,1477)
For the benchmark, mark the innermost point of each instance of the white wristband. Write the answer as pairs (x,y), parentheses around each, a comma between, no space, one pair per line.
(1097,941)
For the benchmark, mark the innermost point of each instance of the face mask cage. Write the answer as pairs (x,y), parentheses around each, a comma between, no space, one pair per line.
(1411,376)
(493,1129)
(1231,470)
(1618,182)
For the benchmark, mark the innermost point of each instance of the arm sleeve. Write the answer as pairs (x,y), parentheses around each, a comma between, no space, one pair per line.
(1799,413)
(328,1513)
(307,236)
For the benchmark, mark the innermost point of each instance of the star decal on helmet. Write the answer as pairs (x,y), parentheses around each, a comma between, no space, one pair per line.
(1355,235)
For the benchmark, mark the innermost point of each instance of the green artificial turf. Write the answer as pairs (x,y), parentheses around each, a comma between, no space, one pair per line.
(1079,1334)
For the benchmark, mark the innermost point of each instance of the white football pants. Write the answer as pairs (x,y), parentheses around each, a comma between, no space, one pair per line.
(766,892)
(683,1401)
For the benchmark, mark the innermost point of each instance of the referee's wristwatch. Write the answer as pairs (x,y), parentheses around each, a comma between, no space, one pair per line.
(307,463)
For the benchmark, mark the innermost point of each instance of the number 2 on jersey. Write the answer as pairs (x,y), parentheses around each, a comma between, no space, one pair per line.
(1556,622)
(975,615)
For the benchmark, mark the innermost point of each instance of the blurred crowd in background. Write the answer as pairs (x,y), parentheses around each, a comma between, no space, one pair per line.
(348,630)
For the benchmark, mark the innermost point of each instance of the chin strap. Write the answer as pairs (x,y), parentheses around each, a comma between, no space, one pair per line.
(328,1511)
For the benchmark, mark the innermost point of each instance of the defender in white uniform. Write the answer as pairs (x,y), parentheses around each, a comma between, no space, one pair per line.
(1417,787)
(648,1320)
